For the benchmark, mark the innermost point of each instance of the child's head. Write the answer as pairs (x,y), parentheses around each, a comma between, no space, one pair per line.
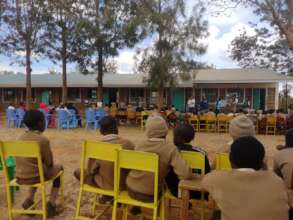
(183,134)
(289,138)
(34,120)
(156,127)
(108,125)
(241,126)
(247,152)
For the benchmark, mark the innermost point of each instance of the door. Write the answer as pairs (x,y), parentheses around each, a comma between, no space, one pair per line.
(106,97)
(112,95)
(262,99)
(178,99)
(45,97)
(256,99)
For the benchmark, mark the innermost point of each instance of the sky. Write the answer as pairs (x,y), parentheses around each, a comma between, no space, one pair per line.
(223,29)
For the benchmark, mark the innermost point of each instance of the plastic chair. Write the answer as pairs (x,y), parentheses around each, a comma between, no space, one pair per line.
(98,151)
(271,125)
(90,118)
(144,116)
(10,164)
(223,161)
(31,150)
(223,123)
(46,115)
(203,124)
(196,161)
(73,122)
(142,161)
(11,117)
(193,120)
(211,123)
(19,117)
(63,119)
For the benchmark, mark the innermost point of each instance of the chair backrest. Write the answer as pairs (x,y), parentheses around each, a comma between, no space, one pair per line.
(193,118)
(272,120)
(196,160)
(72,112)
(142,161)
(10,113)
(28,149)
(20,113)
(90,115)
(223,161)
(211,118)
(101,113)
(223,118)
(99,151)
(63,115)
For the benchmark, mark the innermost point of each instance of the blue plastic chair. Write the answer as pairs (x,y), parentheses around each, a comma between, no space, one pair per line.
(63,119)
(19,117)
(46,115)
(11,117)
(90,117)
(73,119)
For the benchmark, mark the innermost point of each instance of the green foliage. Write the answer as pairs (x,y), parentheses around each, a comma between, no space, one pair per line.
(177,36)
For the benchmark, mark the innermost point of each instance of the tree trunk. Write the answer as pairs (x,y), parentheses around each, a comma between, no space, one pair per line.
(161,98)
(64,66)
(28,76)
(100,76)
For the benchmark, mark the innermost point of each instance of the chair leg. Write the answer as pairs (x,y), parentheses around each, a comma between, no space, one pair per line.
(163,209)
(94,204)
(155,212)
(202,209)
(44,211)
(9,203)
(114,211)
(78,204)
(125,212)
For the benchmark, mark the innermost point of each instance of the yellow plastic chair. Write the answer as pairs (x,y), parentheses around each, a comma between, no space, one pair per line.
(99,151)
(271,126)
(223,123)
(193,120)
(31,150)
(142,161)
(196,160)
(211,123)
(203,123)
(144,116)
(223,161)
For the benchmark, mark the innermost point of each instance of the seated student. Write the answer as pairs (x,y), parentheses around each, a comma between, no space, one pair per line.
(172,117)
(27,169)
(247,192)
(140,184)
(101,173)
(71,106)
(239,127)
(210,113)
(283,159)
(183,135)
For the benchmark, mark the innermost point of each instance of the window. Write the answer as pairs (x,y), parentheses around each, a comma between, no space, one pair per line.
(9,95)
(236,93)
(136,95)
(73,94)
(92,93)
(23,95)
(154,97)
(210,94)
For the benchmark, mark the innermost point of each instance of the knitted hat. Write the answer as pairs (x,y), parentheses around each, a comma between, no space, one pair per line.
(156,127)
(241,126)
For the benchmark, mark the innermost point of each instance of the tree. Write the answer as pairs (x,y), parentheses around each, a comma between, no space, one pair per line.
(262,51)
(105,28)
(177,43)
(61,25)
(277,13)
(21,33)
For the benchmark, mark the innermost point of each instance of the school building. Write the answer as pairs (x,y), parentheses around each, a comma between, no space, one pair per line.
(259,86)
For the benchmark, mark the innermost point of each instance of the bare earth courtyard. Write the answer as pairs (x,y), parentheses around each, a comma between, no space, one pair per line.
(66,147)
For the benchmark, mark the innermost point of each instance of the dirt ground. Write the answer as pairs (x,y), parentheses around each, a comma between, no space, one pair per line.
(66,147)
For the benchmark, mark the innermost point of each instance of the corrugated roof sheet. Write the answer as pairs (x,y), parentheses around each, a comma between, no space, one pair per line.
(136,80)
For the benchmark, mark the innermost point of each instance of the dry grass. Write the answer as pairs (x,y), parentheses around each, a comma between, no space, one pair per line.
(66,147)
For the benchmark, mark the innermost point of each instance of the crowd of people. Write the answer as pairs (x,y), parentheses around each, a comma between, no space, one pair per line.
(249,191)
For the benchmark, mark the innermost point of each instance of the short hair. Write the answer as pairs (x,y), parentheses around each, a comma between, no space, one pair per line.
(247,152)
(183,134)
(32,118)
(289,138)
(108,125)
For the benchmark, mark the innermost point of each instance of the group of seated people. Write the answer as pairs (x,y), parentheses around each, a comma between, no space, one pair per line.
(248,191)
